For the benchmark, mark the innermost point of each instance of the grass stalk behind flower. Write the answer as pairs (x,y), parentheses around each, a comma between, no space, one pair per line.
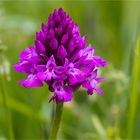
(99,128)
(134,89)
(6,109)
(23,109)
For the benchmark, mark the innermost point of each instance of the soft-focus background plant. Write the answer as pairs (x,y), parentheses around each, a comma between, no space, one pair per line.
(113,28)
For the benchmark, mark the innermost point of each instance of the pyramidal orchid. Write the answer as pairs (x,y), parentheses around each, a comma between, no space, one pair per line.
(61,59)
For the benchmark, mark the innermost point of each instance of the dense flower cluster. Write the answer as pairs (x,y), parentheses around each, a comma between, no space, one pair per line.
(61,59)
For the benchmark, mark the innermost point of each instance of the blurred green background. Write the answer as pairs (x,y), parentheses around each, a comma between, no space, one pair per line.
(111,27)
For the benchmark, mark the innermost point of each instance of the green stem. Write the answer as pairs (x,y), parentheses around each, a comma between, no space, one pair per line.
(56,121)
(134,89)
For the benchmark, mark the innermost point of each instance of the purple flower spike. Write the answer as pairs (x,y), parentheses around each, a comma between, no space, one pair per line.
(61,59)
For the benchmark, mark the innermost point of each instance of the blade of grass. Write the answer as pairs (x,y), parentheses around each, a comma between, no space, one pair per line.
(6,109)
(134,89)
(99,127)
(23,109)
